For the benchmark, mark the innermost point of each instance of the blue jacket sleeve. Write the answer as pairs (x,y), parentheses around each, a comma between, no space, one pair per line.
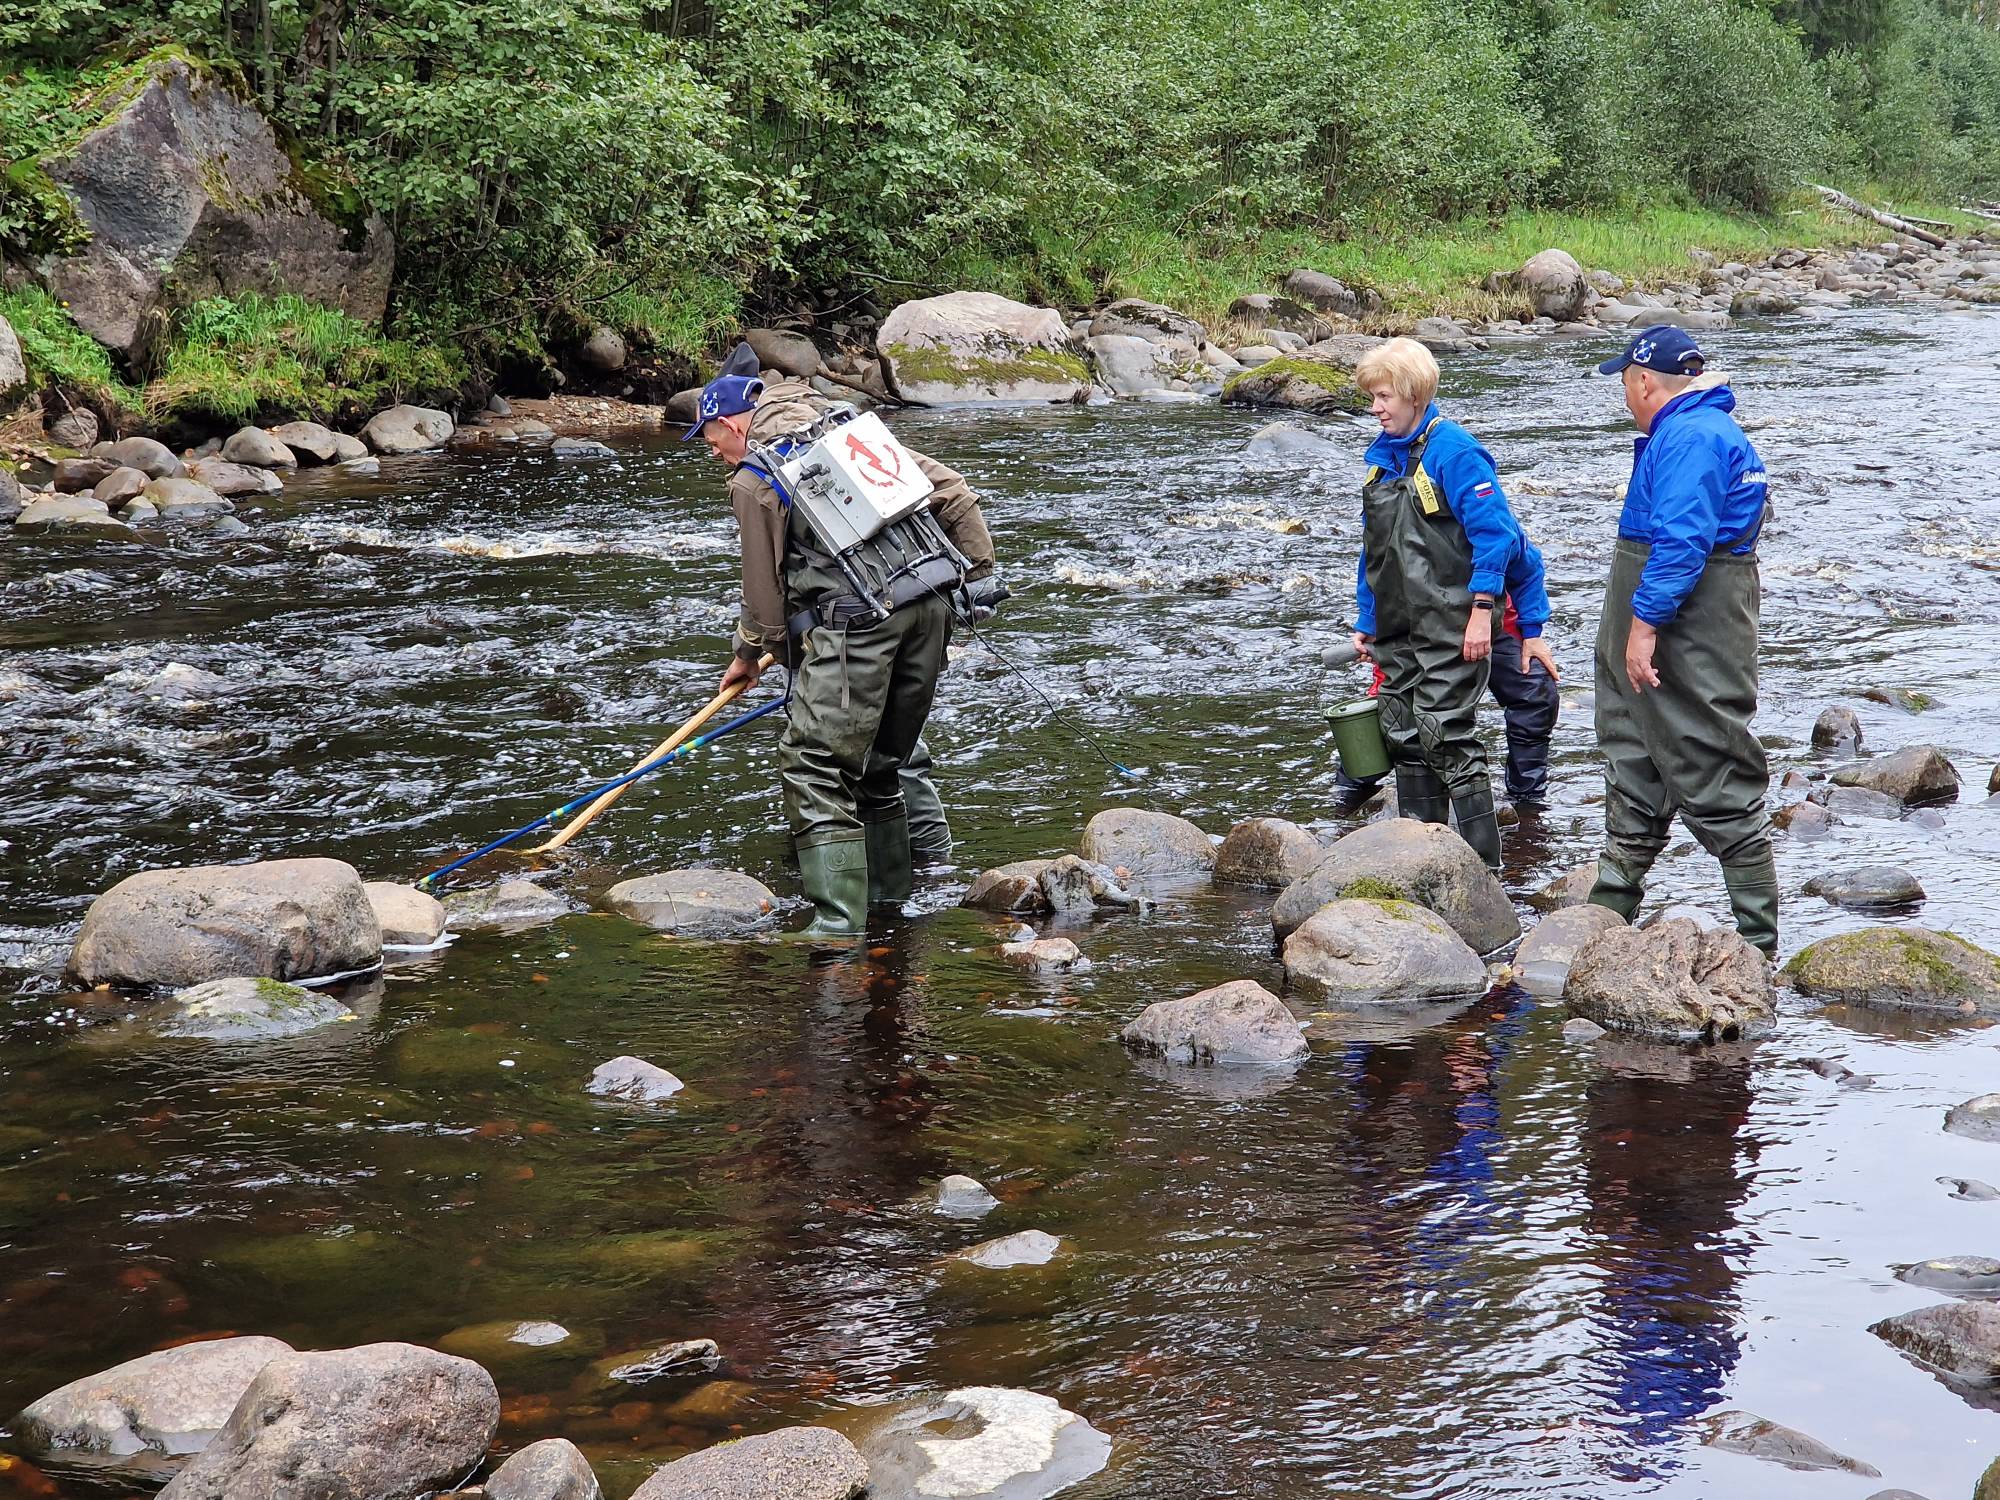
(1364,596)
(1472,489)
(1686,488)
(1527,586)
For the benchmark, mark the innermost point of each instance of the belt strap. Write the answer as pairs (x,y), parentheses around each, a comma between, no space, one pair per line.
(934,575)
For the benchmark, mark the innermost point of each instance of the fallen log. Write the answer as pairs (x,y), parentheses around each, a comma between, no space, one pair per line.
(1861,210)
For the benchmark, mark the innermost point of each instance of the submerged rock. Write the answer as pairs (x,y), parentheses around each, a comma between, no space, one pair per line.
(1146,843)
(1960,1339)
(1970,1189)
(380,1421)
(515,1346)
(1672,982)
(1404,860)
(632,1080)
(1266,852)
(1551,946)
(511,903)
(1380,952)
(236,1010)
(1910,968)
(1238,1022)
(1866,886)
(567,447)
(693,901)
(958,1197)
(978,347)
(1031,1247)
(279,919)
(160,1405)
(1016,887)
(793,1463)
(1285,445)
(1914,775)
(1959,1275)
(1977,1119)
(409,918)
(682,1357)
(1856,802)
(979,1441)
(552,1469)
(1742,1432)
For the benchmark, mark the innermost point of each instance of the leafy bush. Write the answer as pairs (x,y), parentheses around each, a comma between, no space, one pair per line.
(57,350)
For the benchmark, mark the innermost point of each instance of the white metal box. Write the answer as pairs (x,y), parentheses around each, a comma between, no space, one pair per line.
(854,481)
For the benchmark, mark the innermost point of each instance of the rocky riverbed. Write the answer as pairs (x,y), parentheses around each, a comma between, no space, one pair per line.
(931,1193)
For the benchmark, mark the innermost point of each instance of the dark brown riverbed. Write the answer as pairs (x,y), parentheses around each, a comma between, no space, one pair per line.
(1467,1260)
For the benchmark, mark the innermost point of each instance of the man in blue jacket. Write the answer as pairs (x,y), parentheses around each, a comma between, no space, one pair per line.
(1677,643)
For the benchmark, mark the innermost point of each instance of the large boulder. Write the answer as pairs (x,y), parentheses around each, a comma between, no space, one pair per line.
(1381,952)
(1553,283)
(1134,317)
(978,347)
(1960,1339)
(977,1441)
(1405,860)
(160,1405)
(279,919)
(1267,852)
(1672,981)
(187,193)
(1238,1022)
(553,1469)
(786,352)
(1909,968)
(793,1463)
(1141,842)
(258,448)
(1306,381)
(1127,365)
(1914,775)
(693,901)
(408,429)
(149,456)
(381,1422)
(1326,293)
(1550,948)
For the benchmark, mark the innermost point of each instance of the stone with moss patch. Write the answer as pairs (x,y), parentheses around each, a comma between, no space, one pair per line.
(975,347)
(1296,382)
(234,1010)
(1380,952)
(1908,968)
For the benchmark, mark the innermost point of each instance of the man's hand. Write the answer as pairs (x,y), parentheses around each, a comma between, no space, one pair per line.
(1639,644)
(1479,634)
(741,673)
(1364,646)
(1537,650)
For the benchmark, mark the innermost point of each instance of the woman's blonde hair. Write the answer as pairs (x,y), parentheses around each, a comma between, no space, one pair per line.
(1403,365)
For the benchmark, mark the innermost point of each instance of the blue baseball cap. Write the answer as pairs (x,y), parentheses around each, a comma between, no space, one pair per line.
(1663,349)
(724,396)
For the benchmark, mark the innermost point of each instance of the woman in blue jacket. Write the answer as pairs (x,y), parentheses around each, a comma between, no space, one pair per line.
(1440,550)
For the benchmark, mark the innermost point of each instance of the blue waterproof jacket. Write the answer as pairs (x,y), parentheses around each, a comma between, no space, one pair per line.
(1697,488)
(1504,561)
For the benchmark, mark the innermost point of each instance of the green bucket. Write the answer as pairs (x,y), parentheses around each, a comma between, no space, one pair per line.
(1357,735)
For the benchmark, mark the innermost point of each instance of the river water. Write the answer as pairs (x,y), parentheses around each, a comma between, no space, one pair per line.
(1454,1259)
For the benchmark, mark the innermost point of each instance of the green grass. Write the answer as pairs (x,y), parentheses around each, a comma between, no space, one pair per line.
(254,358)
(691,320)
(59,351)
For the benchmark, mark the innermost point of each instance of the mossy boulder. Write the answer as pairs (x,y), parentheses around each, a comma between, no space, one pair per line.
(1401,859)
(1297,382)
(1907,968)
(975,347)
(235,1010)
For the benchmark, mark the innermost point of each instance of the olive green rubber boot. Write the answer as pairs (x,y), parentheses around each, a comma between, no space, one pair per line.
(835,877)
(888,844)
(1479,825)
(1753,900)
(1421,795)
(1616,890)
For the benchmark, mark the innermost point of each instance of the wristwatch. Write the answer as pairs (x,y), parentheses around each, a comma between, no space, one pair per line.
(1482,601)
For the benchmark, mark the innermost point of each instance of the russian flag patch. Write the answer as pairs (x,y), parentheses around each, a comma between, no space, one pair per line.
(1483,489)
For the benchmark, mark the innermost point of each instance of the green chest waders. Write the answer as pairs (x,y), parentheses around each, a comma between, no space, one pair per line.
(1420,570)
(1685,748)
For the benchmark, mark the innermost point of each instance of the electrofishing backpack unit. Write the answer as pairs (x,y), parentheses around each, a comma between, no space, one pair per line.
(866,502)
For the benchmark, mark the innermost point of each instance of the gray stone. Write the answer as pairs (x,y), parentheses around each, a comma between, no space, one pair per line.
(74,476)
(1045,955)
(1442,334)
(979,1441)
(309,442)
(13,368)
(1977,1119)
(633,1081)
(361,468)
(1552,282)
(409,918)
(137,512)
(381,1422)
(1960,1339)
(1551,946)
(959,1197)
(694,901)
(279,919)
(1577,1029)
(1030,1247)
(1135,841)
(1237,1022)
(12,497)
(1402,859)
(256,448)
(187,191)
(1249,356)
(1317,380)
(70,513)
(1971,1189)
(568,447)
(1262,311)
(1567,890)
(1754,1437)
(185,499)
(227,478)
(1914,775)
(1284,445)
(407,429)
(153,459)
(348,449)
(511,903)
(238,1010)
(1134,317)
(1968,1276)
(168,1403)
(1836,727)
(603,352)
(1906,968)
(1856,802)
(553,1469)
(1318,290)
(1073,884)
(1127,365)
(1762,302)
(1866,886)
(681,1357)
(227,526)
(1672,982)
(1015,887)
(788,353)
(982,348)
(1380,952)
(1804,820)
(1266,852)
(75,428)
(793,1463)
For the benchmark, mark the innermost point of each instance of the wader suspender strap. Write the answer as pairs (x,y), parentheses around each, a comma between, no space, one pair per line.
(1428,497)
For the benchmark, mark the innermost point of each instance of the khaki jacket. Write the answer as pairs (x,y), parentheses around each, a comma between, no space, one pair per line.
(762,521)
